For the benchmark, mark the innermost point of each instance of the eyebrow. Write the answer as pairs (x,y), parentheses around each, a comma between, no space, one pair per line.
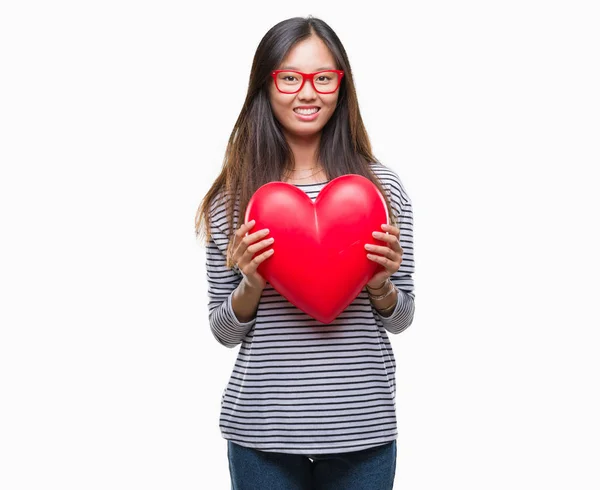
(288,67)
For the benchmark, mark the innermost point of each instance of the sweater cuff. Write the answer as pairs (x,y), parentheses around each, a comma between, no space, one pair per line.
(402,316)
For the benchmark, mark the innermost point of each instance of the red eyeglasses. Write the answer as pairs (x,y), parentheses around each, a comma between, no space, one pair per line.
(291,82)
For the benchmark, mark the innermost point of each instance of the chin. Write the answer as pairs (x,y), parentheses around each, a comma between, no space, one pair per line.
(304,127)
(306,131)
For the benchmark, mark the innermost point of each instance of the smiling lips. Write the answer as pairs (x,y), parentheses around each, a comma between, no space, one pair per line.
(306,111)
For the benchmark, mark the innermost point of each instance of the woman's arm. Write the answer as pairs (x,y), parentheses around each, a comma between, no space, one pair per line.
(398,318)
(244,301)
(223,284)
(232,302)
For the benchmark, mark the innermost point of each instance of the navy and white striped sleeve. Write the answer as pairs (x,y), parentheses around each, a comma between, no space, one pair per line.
(222,281)
(403,314)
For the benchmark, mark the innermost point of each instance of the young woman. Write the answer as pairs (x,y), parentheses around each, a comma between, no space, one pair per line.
(308,405)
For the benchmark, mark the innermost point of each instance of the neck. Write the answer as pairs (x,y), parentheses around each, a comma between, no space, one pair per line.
(305,150)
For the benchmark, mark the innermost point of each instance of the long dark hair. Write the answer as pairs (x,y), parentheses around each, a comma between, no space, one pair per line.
(257,151)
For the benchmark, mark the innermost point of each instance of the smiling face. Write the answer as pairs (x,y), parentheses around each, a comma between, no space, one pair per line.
(308,56)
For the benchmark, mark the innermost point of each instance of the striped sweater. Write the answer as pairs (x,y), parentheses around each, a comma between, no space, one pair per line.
(300,386)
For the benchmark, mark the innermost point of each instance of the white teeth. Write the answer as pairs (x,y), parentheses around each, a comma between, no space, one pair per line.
(306,112)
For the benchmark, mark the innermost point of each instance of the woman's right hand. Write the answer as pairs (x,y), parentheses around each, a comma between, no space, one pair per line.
(244,247)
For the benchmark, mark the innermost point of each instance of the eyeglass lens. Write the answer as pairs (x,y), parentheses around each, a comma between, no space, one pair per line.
(289,81)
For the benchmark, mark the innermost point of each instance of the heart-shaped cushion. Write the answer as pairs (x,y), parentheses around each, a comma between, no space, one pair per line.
(319,262)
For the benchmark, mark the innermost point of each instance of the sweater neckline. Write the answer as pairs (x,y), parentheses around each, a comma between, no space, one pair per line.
(315,183)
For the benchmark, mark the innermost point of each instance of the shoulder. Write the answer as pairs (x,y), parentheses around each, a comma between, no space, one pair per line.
(391,181)
(219,209)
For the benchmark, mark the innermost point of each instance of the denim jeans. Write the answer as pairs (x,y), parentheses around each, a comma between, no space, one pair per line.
(370,469)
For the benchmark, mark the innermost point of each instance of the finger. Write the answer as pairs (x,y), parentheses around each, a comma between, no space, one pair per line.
(242,230)
(388,238)
(248,240)
(385,251)
(391,229)
(253,237)
(256,261)
(252,249)
(240,233)
(389,265)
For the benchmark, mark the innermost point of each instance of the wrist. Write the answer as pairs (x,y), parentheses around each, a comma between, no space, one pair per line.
(385,303)
(379,288)
(383,294)
(250,288)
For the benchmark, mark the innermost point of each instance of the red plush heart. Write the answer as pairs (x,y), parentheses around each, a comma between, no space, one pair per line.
(320,263)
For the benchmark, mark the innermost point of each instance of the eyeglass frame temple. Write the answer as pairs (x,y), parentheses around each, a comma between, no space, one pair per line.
(304,78)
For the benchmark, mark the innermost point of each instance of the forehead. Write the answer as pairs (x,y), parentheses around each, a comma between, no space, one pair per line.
(309,55)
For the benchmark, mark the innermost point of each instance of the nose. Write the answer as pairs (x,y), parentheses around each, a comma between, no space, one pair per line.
(308,91)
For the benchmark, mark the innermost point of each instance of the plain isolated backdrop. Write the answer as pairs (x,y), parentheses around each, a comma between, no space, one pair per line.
(114,119)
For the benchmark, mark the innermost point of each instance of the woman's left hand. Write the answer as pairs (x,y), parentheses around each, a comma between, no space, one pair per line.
(389,257)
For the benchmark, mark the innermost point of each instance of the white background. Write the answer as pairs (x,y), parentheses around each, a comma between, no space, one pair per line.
(114,119)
